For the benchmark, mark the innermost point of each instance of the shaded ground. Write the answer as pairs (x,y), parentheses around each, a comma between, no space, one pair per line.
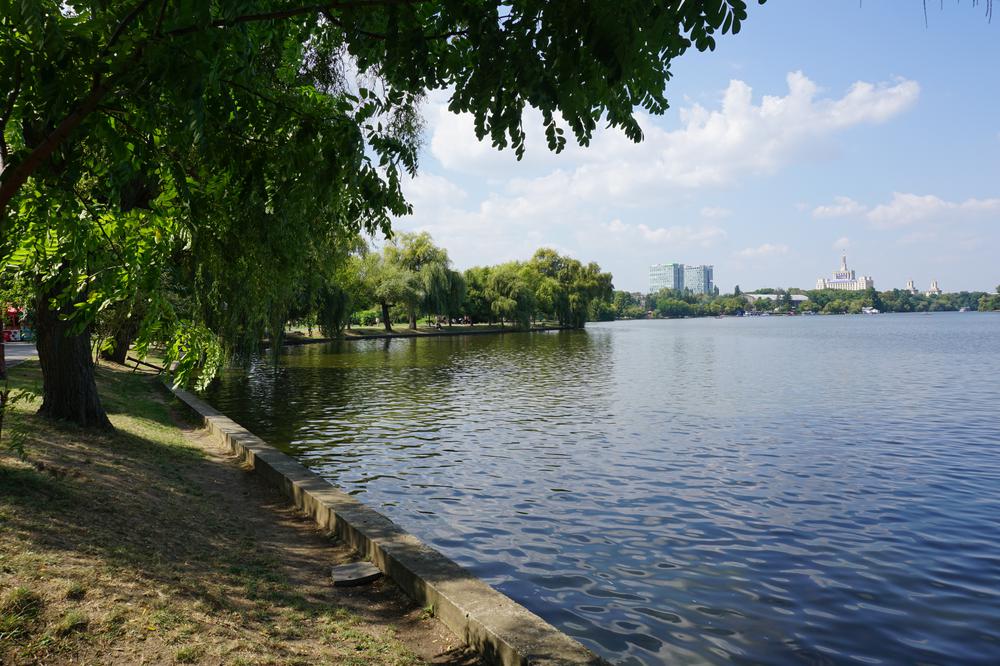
(151,546)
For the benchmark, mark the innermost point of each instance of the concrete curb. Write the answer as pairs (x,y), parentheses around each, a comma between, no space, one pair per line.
(501,630)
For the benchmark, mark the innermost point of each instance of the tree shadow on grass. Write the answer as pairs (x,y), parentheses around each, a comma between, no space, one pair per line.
(160,523)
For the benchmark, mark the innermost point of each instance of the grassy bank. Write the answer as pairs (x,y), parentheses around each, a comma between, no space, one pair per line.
(296,336)
(150,545)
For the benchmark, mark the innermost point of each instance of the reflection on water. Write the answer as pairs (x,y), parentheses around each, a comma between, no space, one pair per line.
(784,490)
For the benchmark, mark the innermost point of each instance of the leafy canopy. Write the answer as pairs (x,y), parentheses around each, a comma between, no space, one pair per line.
(194,158)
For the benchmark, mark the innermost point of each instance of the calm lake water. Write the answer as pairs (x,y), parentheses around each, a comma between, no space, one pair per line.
(761,490)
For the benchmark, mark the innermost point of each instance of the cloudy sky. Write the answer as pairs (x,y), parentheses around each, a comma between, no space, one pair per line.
(822,127)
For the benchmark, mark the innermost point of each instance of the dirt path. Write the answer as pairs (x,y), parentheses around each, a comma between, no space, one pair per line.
(152,546)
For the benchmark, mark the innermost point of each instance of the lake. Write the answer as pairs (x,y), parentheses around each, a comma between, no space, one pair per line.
(760,490)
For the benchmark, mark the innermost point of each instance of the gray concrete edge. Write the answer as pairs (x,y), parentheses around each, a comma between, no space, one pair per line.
(494,625)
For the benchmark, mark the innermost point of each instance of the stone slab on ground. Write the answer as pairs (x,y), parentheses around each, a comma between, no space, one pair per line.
(355,573)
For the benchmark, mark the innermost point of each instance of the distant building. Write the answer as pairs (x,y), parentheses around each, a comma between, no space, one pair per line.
(699,279)
(666,276)
(846,280)
(934,290)
(910,288)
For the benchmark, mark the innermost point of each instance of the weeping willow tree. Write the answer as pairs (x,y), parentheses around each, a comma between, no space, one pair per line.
(191,157)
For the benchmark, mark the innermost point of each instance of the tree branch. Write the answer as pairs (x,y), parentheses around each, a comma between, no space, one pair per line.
(159,18)
(7,112)
(11,182)
(132,16)
(289,13)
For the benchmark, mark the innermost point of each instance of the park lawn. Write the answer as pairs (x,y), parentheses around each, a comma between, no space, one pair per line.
(151,545)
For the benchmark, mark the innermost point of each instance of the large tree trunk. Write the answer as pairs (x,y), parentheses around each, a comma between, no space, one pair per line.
(385,317)
(69,391)
(413,319)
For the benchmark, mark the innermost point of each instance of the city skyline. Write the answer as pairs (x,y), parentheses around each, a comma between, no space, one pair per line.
(769,164)
(698,279)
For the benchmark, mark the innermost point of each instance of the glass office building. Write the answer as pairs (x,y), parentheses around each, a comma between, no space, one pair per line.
(666,276)
(699,279)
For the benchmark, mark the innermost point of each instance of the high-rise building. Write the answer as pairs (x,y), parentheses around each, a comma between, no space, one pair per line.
(699,279)
(911,288)
(666,276)
(846,280)
(935,290)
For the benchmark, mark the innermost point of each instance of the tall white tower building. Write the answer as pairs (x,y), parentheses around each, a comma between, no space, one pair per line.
(845,279)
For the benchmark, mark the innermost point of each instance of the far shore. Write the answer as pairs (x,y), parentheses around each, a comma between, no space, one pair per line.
(377,333)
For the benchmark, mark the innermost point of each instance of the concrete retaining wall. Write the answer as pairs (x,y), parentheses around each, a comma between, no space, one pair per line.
(503,631)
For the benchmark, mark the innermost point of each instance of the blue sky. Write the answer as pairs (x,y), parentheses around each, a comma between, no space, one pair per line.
(822,127)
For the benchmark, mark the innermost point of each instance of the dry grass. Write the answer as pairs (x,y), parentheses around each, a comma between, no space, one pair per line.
(151,546)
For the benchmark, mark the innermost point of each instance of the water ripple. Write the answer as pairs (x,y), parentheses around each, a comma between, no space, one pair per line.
(813,490)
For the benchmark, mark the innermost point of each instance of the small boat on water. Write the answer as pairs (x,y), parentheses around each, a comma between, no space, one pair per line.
(963,310)
(869,310)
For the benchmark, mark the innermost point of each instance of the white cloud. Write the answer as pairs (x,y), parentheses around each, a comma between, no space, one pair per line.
(765,250)
(617,201)
(616,226)
(715,212)
(842,207)
(907,209)
(704,236)
(842,243)
(430,190)
(682,235)
(711,148)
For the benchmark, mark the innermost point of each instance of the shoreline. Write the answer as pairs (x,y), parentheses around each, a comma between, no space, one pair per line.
(152,544)
(296,340)
(501,630)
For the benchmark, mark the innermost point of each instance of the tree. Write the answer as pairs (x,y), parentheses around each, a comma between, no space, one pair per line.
(667,306)
(511,296)
(478,300)
(565,288)
(388,283)
(217,139)
(418,254)
(455,295)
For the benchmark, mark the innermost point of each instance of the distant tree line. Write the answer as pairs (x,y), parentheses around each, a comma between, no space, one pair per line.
(411,278)
(990,302)
(832,301)
(672,303)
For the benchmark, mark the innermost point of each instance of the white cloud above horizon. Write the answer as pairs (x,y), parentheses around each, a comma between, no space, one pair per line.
(712,147)
(764,250)
(906,209)
(484,206)
(841,207)
(705,235)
